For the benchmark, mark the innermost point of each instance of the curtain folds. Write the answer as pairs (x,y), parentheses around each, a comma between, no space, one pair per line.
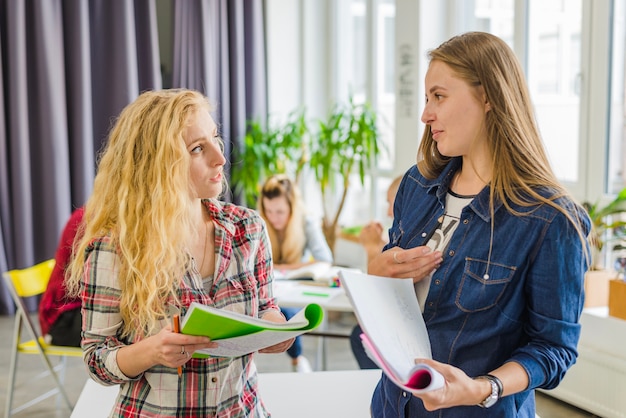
(71,66)
(219,49)
(68,67)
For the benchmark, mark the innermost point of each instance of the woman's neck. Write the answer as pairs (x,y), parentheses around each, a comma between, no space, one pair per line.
(468,181)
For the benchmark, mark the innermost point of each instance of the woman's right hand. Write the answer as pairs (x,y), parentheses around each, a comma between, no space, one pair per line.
(166,348)
(415,263)
(174,349)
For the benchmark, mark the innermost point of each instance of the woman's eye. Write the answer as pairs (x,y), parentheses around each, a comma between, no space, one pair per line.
(196,150)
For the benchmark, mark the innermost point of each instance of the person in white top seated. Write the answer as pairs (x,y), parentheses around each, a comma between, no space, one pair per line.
(296,240)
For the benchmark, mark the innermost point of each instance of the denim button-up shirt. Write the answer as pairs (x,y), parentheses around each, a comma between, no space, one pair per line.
(518,299)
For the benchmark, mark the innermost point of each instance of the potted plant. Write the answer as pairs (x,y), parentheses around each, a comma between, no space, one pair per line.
(268,149)
(607,226)
(347,141)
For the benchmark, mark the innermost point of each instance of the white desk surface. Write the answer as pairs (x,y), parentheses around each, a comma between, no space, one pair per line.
(294,293)
(333,394)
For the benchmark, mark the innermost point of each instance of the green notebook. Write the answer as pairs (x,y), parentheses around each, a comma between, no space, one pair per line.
(240,334)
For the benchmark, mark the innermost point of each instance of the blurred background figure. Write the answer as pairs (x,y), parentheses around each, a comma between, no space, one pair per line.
(296,241)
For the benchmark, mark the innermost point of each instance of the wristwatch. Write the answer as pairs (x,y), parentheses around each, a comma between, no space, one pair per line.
(496,390)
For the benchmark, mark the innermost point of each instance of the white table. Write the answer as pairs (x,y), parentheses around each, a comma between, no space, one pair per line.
(335,394)
(299,293)
(296,293)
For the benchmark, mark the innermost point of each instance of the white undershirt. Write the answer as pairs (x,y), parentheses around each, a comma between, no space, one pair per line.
(440,239)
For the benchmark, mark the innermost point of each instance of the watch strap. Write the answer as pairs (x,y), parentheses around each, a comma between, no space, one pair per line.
(496,390)
(498,382)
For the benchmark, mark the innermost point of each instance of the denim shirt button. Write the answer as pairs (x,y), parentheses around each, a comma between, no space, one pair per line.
(465,221)
(404,394)
(423,234)
(430,304)
(451,253)
(437,281)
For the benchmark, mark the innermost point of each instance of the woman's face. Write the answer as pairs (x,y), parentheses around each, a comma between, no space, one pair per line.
(207,159)
(277,212)
(455,111)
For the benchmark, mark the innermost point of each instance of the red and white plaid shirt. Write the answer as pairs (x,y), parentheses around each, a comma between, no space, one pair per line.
(212,387)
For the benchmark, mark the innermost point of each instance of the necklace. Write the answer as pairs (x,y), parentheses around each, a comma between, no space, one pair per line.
(206,240)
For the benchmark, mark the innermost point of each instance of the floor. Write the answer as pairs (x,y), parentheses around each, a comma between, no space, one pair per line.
(339,358)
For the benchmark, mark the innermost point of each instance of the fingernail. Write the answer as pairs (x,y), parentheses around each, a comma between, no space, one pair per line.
(426,250)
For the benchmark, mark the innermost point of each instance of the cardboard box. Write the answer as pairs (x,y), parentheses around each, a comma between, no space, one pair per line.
(617,299)
(597,287)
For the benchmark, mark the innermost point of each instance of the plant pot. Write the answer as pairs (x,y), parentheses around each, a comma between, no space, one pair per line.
(597,287)
(617,298)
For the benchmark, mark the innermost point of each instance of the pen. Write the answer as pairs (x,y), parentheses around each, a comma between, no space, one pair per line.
(176,326)
(323,295)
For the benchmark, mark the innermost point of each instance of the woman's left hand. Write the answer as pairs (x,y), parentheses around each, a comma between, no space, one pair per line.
(278,348)
(276,316)
(458,389)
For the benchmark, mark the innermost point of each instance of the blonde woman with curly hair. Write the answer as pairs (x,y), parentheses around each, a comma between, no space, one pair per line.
(296,240)
(495,246)
(155,238)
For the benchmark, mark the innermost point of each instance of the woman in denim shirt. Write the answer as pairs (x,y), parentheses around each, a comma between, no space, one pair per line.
(496,247)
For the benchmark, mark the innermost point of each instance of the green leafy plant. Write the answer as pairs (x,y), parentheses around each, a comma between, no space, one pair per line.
(268,150)
(346,141)
(607,226)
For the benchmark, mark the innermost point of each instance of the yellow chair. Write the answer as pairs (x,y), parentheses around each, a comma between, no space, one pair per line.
(24,283)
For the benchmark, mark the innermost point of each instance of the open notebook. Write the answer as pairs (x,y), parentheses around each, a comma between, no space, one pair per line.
(394,330)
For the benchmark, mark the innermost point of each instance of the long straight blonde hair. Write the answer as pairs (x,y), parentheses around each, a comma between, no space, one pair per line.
(142,201)
(291,250)
(519,162)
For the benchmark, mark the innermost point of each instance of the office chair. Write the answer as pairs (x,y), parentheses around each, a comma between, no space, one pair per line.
(23,283)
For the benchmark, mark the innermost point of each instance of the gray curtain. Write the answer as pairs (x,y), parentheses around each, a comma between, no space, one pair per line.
(219,49)
(68,67)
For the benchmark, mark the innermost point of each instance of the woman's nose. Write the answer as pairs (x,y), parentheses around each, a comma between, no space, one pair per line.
(216,157)
(427,115)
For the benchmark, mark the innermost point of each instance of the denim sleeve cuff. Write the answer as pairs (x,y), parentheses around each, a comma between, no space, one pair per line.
(536,375)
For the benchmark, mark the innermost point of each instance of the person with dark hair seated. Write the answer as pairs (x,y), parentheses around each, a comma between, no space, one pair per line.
(59,315)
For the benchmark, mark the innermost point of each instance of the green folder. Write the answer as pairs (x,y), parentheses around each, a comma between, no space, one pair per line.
(221,324)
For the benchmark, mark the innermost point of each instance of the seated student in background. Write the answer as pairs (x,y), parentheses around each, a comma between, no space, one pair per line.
(296,240)
(59,314)
(157,238)
(371,237)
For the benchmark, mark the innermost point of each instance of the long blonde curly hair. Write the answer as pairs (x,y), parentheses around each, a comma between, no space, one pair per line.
(142,201)
(291,250)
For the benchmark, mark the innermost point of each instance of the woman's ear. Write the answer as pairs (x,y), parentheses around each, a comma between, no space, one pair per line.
(487,107)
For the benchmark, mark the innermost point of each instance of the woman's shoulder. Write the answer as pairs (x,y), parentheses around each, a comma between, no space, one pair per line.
(231,213)
(570,208)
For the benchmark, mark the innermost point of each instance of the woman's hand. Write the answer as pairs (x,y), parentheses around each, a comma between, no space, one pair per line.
(415,263)
(166,348)
(459,388)
(277,317)
(174,349)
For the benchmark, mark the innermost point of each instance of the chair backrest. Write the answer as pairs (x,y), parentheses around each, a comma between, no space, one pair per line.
(31,281)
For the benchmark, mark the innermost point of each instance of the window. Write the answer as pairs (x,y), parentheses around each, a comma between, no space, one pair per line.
(365,69)
(617,111)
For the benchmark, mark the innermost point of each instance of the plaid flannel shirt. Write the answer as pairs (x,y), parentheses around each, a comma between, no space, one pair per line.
(213,387)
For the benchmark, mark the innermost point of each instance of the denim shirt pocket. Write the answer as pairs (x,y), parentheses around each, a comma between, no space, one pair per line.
(477,293)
